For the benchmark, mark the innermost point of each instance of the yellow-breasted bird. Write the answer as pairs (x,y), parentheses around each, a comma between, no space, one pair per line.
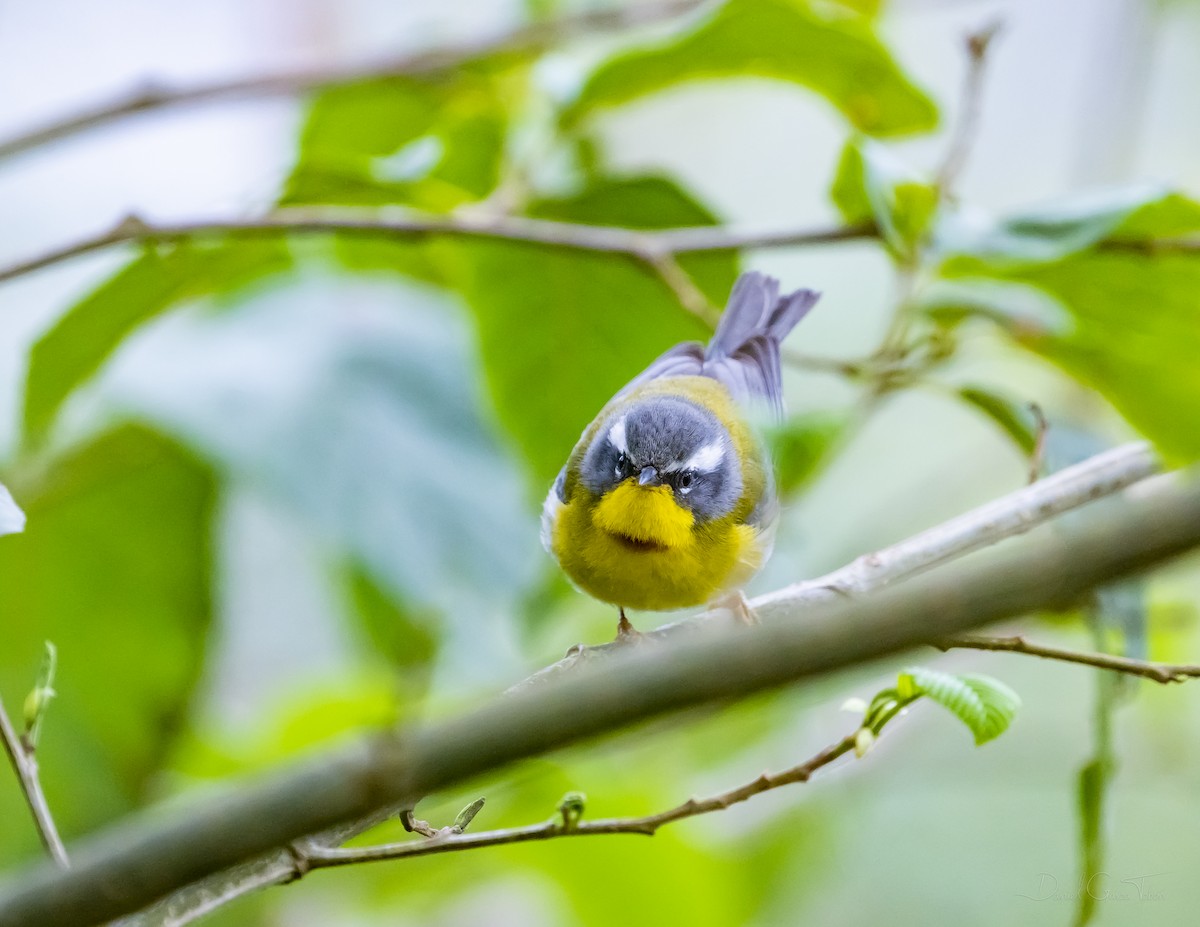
(668,500)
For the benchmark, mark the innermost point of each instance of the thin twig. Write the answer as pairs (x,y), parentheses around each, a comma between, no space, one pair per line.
(648,247)
(557,827)
(690,296)
(971,107)
(24,762)
(1158,672)
(153,95)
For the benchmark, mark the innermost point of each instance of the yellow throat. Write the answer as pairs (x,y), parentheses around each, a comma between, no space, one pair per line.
(648,514)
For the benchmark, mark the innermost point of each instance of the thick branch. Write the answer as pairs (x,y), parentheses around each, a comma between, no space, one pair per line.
(132,865)
(24,763)
(649,247)
(1158,672)
(531,39)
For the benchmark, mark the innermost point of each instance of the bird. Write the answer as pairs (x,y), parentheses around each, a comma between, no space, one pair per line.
(668,499)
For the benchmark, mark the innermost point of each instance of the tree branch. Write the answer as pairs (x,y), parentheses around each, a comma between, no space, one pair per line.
(650,248)
(151,855)
(1158,672)
(154,96)
(23,757)
(561,827)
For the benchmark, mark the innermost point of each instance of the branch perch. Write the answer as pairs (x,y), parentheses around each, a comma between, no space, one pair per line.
(151,855)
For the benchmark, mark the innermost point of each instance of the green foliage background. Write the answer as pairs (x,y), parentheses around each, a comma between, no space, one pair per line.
(397,407)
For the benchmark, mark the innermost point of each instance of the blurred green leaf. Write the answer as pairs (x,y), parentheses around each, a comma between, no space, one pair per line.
(1070,226)
(84,338)
(1015,420)
(872,185)
(800,446)
(115,567)
(357,407)
(1135,335)
(983,704)
(405,635)
(12,519)
(829,51)
(561,331)
(433,142)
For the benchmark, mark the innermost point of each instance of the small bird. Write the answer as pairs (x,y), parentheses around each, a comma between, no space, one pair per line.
(668,499)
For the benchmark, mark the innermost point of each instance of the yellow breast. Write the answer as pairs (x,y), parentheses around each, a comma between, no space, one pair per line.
(618,568)
(637,548)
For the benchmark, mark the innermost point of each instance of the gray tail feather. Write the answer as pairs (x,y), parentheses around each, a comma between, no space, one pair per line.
(755,309)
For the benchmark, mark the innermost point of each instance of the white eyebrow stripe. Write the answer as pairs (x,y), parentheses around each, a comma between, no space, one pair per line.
(616,435)
(706,459)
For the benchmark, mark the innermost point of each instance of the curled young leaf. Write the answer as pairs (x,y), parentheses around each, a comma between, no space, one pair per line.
(985,705)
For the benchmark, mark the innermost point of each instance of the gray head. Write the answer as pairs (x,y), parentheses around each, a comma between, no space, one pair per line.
(667,440)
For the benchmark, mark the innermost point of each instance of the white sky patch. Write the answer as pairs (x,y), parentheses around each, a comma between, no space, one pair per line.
(616,435)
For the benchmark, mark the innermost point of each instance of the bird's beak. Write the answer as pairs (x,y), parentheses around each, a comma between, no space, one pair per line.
(648,476)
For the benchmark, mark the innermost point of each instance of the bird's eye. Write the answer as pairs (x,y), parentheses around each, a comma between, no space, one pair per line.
(684,481)
(622,467)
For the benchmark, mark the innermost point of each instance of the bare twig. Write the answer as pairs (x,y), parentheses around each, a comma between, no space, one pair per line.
(648,247)
(23,757)
(970,107)
(690,296)
(445,842)
(1158,672)
(153,96)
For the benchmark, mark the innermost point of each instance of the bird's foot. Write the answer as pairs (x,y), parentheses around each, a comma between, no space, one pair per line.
(739,607)
(626,632)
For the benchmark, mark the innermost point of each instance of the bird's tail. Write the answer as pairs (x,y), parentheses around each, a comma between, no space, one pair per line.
(756,310)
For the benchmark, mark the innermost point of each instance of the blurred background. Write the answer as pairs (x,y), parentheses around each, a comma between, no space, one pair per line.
(284,488)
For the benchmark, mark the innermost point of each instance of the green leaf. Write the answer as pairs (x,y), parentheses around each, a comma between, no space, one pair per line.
(407,636)
(800,447)
(1131,301)
(873,185)
(831,52)
(357,408)
(83,339)
(562,331)
(115,568)
(983,704)
(433,142)
(12,519)
(1016,421)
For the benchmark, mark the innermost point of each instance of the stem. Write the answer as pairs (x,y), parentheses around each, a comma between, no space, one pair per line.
(24,762)
(1156,672)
